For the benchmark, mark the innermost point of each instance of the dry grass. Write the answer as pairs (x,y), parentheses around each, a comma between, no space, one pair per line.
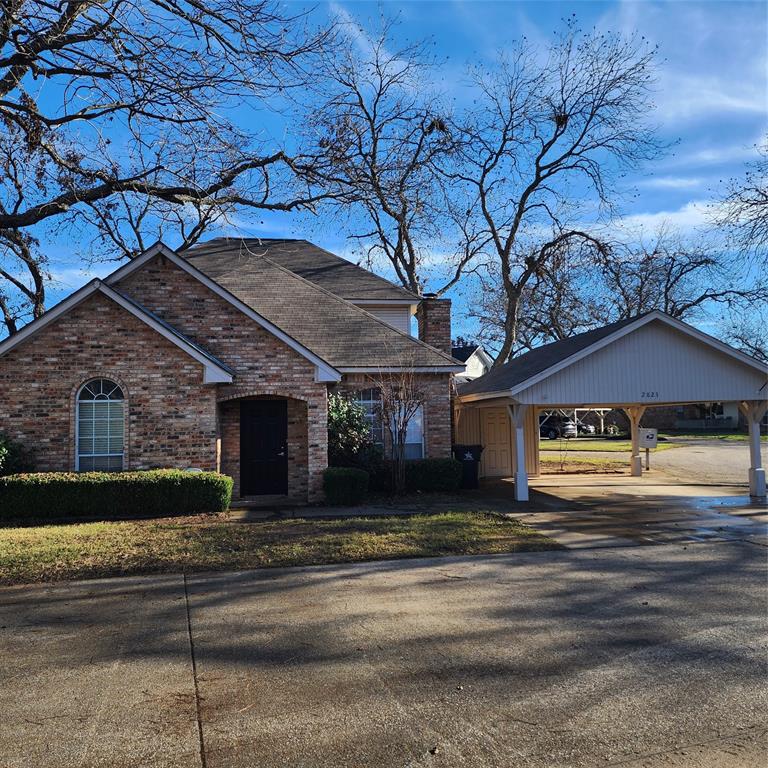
(213,542)
(552,465)
(610,446)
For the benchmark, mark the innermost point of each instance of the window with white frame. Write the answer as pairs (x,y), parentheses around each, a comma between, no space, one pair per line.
(100,426)
(413,447)
(370,401)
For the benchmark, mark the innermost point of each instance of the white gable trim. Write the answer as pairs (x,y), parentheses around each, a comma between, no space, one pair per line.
(57,311)
(213,373)
(324,371)
(626,330)
(484,357)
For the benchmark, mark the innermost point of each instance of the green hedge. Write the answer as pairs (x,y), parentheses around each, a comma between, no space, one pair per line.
(433,475)
(421,475)
(14,457)
(113,494)
(345,485)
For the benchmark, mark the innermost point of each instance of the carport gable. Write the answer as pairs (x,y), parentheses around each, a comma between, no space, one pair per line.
(651,360)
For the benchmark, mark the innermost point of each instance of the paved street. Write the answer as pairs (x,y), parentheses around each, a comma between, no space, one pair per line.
(632,656)
(701,461)
(710,461)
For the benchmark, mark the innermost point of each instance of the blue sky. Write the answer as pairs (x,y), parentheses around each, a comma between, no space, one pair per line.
(711,99)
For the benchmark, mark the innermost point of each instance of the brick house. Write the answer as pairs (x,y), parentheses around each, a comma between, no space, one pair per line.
(222,359)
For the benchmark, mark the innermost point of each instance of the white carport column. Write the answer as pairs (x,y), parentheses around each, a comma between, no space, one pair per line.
(634,414)
(754,412)
(517,417)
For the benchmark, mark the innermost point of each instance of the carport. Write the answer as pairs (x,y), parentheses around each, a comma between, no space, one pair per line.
(650,360)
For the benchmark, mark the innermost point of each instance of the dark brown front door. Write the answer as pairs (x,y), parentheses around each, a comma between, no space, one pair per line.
(263,447)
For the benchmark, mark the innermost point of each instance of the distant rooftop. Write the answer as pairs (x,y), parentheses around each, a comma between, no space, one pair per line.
(463,353)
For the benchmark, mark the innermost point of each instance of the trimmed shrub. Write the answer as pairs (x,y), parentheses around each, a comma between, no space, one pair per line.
(113,494)
(14,457)
(345,486)
(433,475)
(421,475)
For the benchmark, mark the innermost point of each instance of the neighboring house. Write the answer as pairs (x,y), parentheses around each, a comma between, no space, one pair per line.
(476,361)
(222,359)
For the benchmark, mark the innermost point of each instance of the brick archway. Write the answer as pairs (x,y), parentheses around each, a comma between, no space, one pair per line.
(301,437)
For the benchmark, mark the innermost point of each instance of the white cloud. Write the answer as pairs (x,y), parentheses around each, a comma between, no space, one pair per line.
(671,182)
(686,219)
(683,97)
(71,278)
(713,55)
(716,155)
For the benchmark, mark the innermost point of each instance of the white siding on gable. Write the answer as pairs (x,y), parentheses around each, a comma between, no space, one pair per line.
(653,365)
(397,317)
(475,367)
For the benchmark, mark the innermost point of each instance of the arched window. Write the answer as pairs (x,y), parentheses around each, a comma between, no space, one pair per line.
(100,426)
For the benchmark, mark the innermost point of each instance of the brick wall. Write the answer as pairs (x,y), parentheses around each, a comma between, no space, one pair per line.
(434,320)
(172,418)
(263,365)
(298,448)
(170,414)
(435,388)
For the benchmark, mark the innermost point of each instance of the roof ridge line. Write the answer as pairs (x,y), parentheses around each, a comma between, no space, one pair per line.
(342,300)
(410,294)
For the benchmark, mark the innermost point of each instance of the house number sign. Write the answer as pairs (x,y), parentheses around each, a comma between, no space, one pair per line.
(649,395)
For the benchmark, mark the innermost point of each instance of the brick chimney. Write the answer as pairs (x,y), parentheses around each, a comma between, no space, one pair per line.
(434,318)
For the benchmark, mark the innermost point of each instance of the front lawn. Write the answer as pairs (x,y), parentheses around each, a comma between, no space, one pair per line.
(712,434)
(607,444)
(214,542)
(552,465)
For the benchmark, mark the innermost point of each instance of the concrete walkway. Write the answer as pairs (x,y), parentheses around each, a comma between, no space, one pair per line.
(648,656)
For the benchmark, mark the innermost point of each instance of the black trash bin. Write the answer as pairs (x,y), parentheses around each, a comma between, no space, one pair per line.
(469,456)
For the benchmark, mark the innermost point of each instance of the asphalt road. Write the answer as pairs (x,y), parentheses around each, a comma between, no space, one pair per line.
(706,461)
(636,656)
(712,461)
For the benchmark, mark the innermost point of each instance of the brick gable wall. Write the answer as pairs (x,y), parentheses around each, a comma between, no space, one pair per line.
(263,366)
(170,421)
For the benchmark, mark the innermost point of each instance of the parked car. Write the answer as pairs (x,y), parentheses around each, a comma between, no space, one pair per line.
(555,426)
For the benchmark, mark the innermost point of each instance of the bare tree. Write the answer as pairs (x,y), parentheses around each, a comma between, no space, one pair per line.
(382,134)
(749,333)
(743,212)
(400,397)
(681,277)
(115,112)
(687,278)
(559,295)
(542,146)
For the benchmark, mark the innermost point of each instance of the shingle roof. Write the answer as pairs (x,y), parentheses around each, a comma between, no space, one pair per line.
(341,333)
(464,353)
(524,367)
(303,258)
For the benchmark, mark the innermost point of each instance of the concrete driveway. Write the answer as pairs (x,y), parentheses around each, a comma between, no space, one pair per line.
(648,656)
(693,493)
(618,510)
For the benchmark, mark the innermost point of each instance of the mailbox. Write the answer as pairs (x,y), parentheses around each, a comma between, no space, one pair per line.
(648,437)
